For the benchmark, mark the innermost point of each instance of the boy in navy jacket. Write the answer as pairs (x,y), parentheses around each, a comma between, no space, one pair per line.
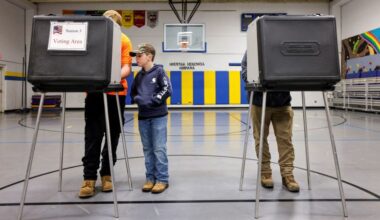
(150,89)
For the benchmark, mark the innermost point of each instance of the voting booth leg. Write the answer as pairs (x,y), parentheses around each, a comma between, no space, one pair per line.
(31,155)
(62,141)
(335,156)
(306,140)
(110,157)
(260,159)
(124,142)
(247,129)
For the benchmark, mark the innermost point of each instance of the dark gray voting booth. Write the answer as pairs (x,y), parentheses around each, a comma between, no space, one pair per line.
(298,53)
(291,53)
(75,54)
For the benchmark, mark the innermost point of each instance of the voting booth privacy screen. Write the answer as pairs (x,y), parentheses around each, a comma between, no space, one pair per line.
(293,53)
(74,53)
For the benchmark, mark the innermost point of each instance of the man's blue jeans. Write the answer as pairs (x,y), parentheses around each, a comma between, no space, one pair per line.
(153,132)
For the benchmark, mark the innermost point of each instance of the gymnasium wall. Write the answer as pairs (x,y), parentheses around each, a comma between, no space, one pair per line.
(217,80)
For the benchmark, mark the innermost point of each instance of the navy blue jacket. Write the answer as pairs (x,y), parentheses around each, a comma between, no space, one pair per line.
(274,99)
(150,91)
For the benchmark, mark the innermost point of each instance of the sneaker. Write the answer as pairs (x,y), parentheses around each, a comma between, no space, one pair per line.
(159,187)
(88,189)
(148,186)
(290,183)
(106,184)
(266,180)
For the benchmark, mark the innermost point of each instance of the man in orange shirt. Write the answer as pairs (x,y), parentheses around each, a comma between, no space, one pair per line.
(95,124)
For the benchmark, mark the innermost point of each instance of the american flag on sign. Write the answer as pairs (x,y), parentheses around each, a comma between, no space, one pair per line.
(57,29)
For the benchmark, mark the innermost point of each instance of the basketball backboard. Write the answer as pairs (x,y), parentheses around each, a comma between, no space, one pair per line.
(184,38)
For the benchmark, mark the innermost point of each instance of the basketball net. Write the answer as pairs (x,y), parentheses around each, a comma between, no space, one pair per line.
(184,46)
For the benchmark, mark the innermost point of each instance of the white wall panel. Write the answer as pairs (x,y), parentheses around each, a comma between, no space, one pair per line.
(359,16)
(12,51)
(12,32)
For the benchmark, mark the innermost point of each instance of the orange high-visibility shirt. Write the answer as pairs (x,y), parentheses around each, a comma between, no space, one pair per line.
(126,47)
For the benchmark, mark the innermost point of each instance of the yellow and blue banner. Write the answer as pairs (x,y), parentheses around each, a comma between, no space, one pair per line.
(208,87)
(17,76)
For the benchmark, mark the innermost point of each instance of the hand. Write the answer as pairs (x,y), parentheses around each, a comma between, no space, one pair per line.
(142,102)
(156,101)
(138,99)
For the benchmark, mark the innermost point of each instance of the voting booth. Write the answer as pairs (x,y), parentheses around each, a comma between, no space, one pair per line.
(75,54)
(294,53)
(291,53)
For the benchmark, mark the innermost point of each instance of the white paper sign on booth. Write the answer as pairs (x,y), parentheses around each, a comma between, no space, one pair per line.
(68,36)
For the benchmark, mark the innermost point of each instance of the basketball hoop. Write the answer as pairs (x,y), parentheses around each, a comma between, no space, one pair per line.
(184,46)
(184,40)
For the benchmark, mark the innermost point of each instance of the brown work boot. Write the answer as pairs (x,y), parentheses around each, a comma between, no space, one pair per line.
(290,183)
(148,186)
(88,189)
(159,187)
(106,184)
(266,180)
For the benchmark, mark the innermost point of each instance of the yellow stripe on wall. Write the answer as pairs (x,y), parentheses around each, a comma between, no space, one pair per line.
(187,87)
(234,88)
(15,74)
(210,87)
(168,101)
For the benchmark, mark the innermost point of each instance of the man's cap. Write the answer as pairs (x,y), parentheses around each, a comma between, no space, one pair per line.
(143,48)
(114,15)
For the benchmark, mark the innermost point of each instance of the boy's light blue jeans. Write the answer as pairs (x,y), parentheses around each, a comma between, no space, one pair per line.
(153,133)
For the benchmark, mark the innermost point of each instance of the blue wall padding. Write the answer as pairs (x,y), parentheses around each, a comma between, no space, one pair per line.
(222,85)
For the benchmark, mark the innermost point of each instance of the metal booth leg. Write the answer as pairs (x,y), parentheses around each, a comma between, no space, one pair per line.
(335,156)
(258,185)
(247,128)
(62,141)
(124,142)
(306,140)
(31,155)
(110,158)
